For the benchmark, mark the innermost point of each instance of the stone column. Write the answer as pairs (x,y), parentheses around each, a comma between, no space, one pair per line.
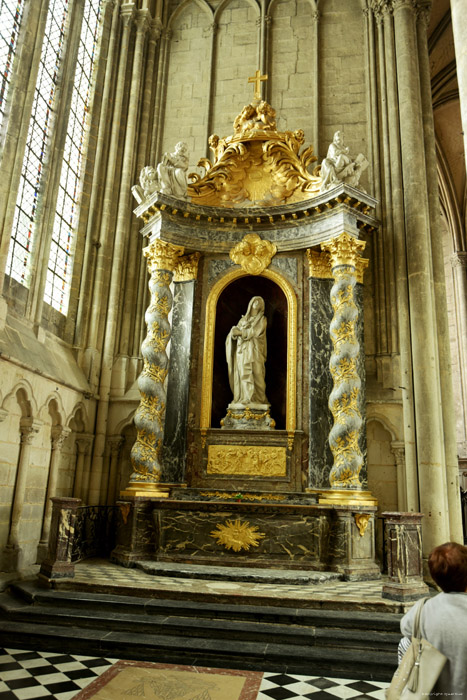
(120,247)
(115,443)
(12,552)
(62,530)
(459,269)
(426,377)
(403,539)
(398,450)
(146,458)
(459,28)
(59,434)
(344,400)
(83,445)
(178,383)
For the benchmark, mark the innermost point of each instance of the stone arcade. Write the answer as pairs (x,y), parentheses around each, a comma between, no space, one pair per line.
(278,480)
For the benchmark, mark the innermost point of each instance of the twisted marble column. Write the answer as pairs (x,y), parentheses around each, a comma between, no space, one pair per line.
(344,252)
(150,416)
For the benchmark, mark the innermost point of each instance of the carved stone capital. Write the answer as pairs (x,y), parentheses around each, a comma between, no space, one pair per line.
(403,5)
(424,12)
(29,427)
(167,34)
(3,414)
(186,268)
(84,443)
(268,20)
(59,434)
(115,444)
(398,450)
(459,259)
(127,12)
(142,21)
(253,254)
(155,29)
(344,250)
(319,264)
(315,16)
(162,255)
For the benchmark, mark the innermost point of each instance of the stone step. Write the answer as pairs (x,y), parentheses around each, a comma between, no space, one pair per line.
(170,624)
(231,653)
(238,573)
(31,593)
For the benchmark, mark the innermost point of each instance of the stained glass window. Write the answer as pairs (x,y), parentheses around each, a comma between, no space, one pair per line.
(36,146)
(60,261)
(11,12)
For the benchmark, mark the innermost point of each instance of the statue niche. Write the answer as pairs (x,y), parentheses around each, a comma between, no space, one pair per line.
(232,305)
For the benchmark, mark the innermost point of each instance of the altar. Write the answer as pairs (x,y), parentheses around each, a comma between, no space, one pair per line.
(251,447)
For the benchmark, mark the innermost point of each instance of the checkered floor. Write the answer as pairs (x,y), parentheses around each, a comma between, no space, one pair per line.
(30,675)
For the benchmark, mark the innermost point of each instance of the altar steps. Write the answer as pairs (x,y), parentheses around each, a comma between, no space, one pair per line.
(334,643)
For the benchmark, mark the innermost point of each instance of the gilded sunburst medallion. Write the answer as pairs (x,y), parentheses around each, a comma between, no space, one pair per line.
(237,535)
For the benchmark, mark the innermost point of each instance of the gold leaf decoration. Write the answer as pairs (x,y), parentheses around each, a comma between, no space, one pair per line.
(237,535)
(253,254)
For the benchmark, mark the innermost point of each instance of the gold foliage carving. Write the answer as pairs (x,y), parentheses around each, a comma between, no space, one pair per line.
(256,165)
(247,460)
(156,373)
(186,268)
(237,535)
(162,256)
(253,254)
(344,250)
(319,264)
(361,521)
(226,495)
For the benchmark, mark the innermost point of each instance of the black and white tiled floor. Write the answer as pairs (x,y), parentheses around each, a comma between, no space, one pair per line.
(30,675)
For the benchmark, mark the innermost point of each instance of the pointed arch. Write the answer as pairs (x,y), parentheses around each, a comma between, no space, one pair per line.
(28,401)
(184,5)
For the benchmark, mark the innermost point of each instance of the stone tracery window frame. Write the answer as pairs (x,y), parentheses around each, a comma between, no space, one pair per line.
(11,14)
(32,193)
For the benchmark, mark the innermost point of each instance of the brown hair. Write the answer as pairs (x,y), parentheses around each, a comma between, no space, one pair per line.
(448,567)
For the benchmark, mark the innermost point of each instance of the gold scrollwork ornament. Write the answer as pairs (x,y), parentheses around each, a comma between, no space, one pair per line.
(253,254)
(361,521)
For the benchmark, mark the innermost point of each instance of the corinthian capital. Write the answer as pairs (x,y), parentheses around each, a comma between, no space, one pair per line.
(162,255)
(344,250)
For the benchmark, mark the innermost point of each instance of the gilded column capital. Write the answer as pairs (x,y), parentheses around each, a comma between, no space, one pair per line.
(58,435)
(253,254)
(344,250)
(162,255)
(186,268)
(319,264)
(127,12)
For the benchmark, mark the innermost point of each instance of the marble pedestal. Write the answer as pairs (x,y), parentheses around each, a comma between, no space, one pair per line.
(403,537)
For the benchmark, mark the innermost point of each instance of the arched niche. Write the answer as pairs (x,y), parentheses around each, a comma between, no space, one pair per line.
(226,303)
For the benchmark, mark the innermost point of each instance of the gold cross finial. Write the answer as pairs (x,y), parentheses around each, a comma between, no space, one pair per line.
(257,79)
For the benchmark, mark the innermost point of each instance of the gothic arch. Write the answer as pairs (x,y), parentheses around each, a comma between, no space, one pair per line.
(184,5)
(223,5)
(80,413)
(28,404)
(44,411)
(375,415)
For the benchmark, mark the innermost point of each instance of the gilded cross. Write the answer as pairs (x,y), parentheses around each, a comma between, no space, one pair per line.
(257,79)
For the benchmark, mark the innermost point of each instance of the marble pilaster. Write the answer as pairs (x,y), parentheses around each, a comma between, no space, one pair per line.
(176,415)
(403,538)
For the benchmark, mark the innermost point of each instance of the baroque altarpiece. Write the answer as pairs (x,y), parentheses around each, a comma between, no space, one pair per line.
(279,480)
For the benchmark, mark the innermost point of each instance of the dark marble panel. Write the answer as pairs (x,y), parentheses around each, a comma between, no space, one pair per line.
(287,266)
(135,536)
(218,267)
(321,421)
(175,431)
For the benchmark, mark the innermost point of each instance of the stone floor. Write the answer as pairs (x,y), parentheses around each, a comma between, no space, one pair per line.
(100,574)
(30,675)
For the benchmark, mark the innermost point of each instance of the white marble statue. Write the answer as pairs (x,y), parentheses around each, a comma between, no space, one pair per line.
(339,167)
(172,171)
(246,356)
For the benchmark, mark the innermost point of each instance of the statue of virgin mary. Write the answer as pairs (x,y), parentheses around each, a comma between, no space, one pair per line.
(246,356)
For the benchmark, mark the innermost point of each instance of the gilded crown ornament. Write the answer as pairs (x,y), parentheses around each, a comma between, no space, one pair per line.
(257,165)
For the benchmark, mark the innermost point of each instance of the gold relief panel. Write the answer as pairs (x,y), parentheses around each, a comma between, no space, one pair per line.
(186,268)
(243,460)
(320,265)
(209,335)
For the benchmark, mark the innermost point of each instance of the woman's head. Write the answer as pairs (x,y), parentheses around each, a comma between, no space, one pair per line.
(448,567)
